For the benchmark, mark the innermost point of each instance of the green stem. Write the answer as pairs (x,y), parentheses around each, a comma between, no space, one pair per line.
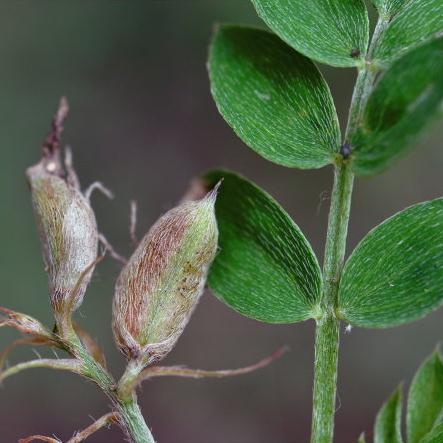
(135,423)
(325,379)
(337,233)
(127,404)
(66,364)
(132,418)
(128,381)
(327,332)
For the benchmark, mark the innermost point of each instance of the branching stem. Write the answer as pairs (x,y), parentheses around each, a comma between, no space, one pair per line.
(327,332)
(66,364)
(132,419)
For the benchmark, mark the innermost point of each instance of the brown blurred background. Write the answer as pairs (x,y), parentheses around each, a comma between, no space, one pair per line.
(143,123)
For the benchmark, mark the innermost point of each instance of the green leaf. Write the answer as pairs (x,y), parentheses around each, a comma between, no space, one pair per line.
(335,32)
(274,98)
(416,22)
(388,422)
(395,275)
(362,438)
(425,400)
(434,436)
(405,100)
(265,269)
(387,8)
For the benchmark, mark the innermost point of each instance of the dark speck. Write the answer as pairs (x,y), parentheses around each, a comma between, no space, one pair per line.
(345,150)
(355,52)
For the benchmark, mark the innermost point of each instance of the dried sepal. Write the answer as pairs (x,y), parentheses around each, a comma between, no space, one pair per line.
(71,302)
(105,420)
(180,371)
(91,345)
(109,249)
(24,323)
(37,334)
(34,341)
(133,222)
(39,438)
(160,286)
(65,220)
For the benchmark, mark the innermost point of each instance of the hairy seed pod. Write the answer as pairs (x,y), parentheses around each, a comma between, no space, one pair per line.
(161,284)
(66,224)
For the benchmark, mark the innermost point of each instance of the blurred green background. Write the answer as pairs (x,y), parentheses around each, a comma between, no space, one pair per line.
(143,122)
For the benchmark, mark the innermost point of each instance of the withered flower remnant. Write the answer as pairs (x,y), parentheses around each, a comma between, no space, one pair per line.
(156,292)
(66,223)
(159,288)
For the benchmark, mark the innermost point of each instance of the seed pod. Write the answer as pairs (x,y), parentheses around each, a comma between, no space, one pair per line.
(66,224)
(161,284)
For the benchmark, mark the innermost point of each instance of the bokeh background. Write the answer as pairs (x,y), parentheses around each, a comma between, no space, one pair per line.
(143,122)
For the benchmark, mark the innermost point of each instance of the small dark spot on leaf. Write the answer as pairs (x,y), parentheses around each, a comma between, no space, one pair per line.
(355,52)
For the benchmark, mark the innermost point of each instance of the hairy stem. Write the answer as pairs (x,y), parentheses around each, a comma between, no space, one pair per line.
(131,418)
(66,364)
(126,403)
(325,379)
(180,371)
(327,333)
(134,422)
(337,234)
(129,379)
